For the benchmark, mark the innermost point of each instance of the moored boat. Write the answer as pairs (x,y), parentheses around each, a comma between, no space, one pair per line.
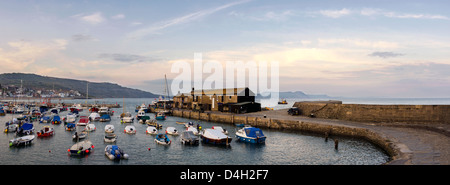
(21,141)
(130,129)
(224,131)
(212,136)
(193,130)
(90,127)
(113,152)
(151,130)
(25,129)
(84,120)
(105,118)
(250,135)
(189,138)
(160,116)
(70,127)
(46,131)
(109,128)
(94,116)
(56,119)
(162,139)
(110,138)
(81,148)
(126,118)
(172,131)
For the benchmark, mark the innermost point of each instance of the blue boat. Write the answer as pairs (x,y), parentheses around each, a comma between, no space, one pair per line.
(70,126)
(25,129)
(251,135)
(56,119)
(162,139)
(2,112)
(105,118)
(45,119)
(160,116)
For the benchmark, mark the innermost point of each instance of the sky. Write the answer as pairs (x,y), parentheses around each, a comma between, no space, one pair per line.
(339,48)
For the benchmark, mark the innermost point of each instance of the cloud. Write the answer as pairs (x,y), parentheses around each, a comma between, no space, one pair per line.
(126,58)
(153,29)
(385,54)
(83,37)
(335,13)
(95,18)
(118,16)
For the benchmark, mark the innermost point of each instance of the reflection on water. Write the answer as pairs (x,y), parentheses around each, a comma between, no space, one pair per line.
(282,147)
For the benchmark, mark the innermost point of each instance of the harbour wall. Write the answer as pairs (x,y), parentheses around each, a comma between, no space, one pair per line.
(323,129)
(410,114)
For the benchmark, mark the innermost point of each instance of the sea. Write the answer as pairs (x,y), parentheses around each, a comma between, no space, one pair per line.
(282,147)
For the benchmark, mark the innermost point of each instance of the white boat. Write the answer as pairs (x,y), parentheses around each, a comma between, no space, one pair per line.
(109,128)
(79,135)
(126,118)
(81,148)
(188,138)
(110,138)
(105,110)
(221,129)
(193,130)
(113,152)
(250,135)
(25,140)
(11,127)
(172,131)
(90,127)
(162,139)
(215,137)
(94,116)
(71,118)
(130,129)
(84,121)
(151,130)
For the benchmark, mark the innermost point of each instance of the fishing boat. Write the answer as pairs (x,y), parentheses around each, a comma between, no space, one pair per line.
(113,152)
(189,138)
(94,116)
(140,114)
(224,131)
(130,129)
(153,123)
(109,128)
(144,119)
(70,127)
(25,129)
(126,118)
(105,110)
(251,135)
(216,137)
(110,138)
(193,130)
(84,120)
(283,102)
(90,127)
(172,131)
(151,130)
(21,141)
(46,131)
(79,135)
(56,119)
(11,127)
(105,118)
(162,139)
(45,119)
(81,148)
(160,116)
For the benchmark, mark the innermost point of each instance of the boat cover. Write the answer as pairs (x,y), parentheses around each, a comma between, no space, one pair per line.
(253,132)
(27,126)
(70,125)
(56,118)
(105,116)
(214,134)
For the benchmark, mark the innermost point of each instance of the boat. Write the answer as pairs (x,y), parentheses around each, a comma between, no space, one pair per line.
(162,139)
(224,131)
(110,138)
(191,124)
(189,138)
(21,141)
(151,130)
(153,123)
(81,135)
(130,129)
(283,102)
(251,135)
(25,129)
(193,130)
(172,131)
(126,118)
(105,118)
(143,107)
(81,148)
(46,131)
(109,128)
(56,119)
(90,127)
(144,119)
(84,120)
(45,119)
(113,152)
(105,110)
(140,114)
(70,126)
(71,118)
(2,112)
(216,137)
(160,116)
(11,127)
(94,116)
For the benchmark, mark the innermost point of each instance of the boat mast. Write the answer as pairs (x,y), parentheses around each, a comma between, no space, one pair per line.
(167,87)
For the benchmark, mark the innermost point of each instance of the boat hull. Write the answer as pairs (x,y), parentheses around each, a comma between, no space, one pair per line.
(160,117)
(224,141)
(257,140)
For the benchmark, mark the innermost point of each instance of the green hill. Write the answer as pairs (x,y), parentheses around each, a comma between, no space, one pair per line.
(96,90)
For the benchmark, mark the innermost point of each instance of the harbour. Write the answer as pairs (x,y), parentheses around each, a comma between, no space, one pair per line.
(283,146)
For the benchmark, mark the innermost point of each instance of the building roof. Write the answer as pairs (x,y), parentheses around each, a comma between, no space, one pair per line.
(228,92)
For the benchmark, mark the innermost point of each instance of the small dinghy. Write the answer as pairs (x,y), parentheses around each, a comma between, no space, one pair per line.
(81,148)
(153,123)
(21,141)
(162,139)
(251,135)
(56,119)
(193,130)
(151,130)
(90,127)
(110,138)
(126,118)
(109,128)
(113,152)
(216,137)
(188,138)
(70,126)
(172,131)
(80,135)
(130,129)
(221,129)
(46,131)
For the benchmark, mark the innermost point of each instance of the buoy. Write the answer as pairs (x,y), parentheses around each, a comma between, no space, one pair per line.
(149,149)
(49,151)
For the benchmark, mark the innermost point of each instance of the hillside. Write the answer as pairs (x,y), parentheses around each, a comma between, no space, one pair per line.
(96,90)
(299,95)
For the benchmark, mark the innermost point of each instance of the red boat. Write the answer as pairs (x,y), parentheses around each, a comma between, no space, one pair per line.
(45,132)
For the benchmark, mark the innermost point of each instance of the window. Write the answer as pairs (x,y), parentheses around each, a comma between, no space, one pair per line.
(229,97)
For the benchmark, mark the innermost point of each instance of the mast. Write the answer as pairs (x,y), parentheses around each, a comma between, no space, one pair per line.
(167,87)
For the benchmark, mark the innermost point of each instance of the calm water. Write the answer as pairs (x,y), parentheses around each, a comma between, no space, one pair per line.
(282,147)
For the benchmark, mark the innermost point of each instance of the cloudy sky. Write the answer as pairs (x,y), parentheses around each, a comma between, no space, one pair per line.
(340,48)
